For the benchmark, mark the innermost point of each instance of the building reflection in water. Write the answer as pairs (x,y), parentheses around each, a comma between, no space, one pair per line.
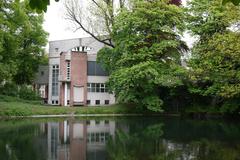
(78,140)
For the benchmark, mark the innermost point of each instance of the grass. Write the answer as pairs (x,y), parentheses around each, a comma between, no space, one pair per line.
(11,106)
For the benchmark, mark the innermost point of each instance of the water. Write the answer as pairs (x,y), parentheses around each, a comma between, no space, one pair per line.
(119,139)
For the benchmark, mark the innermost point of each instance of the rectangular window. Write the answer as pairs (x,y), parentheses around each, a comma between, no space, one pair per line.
(106,101)
(88,102)
(89,87)
(94,69)
(93,87)
(97,87)
(55,74)
(102,87)
(97,102)
(68,70)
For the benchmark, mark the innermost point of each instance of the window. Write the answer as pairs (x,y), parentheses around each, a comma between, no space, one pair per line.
(88,122)
(97,87)
(106,101)
(97,122)
(97,102)
(88,102)
(56,102)
(42,73)
(94,69)
(68,70)
(106,121)
(56,49)
(55,74)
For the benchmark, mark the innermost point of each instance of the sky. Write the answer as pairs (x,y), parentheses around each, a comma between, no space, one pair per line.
(59,28)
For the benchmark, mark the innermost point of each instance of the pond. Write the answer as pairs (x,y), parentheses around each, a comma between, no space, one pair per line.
(122,138)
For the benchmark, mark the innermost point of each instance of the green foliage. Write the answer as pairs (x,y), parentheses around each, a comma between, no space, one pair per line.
(235,2)
(26,92)
(215,56)
(21,41)
(23,91)
(146,54)
(10,89)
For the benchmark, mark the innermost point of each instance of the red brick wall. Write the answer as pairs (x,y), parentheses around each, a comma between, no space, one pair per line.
(63,68)
(78,77)
(78,73)
(78,147)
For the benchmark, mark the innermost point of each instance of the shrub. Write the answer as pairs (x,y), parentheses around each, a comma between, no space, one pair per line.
(24,92)
(27,93)
(9,89)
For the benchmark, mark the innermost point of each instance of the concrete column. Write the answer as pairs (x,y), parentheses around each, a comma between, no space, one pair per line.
(65,94)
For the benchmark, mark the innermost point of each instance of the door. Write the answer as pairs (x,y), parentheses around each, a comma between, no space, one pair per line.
(78,94)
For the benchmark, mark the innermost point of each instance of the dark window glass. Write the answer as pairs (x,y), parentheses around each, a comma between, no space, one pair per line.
(88,101)
(94,69)
(106,101)
(100,71)
(97,102)
(106,121)
(97,87)
(91,68)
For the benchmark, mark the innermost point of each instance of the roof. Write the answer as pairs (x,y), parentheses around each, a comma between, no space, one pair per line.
(42,75)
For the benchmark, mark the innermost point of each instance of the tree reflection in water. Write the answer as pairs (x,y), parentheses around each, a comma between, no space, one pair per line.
(150,141)
(119,139)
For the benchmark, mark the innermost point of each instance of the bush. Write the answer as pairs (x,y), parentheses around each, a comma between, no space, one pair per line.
(27,93)
(24,92)
(9,89)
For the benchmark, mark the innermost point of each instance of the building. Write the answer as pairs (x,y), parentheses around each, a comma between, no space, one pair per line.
(74,76)
(78,139)
(40,82)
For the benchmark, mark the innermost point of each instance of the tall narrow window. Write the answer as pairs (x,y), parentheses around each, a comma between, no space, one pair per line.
(55,74)
(68,70)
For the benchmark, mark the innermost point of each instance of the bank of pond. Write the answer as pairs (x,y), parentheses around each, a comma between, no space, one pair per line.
(121,138)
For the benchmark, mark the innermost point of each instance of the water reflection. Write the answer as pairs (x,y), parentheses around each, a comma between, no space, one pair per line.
(119,139)
(79,140)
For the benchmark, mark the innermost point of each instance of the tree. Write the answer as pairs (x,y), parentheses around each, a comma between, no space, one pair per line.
(147,52)
(42,5)
(22,41)
(215,56)
(96,19)
(235,2)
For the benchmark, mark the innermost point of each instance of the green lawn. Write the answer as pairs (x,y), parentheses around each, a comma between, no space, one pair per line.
(10,106)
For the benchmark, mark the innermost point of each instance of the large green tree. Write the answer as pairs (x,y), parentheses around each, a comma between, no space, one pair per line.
(147,52)
(22,39)
(215,56)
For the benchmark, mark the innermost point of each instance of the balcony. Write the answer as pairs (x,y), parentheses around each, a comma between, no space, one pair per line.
(63,78)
